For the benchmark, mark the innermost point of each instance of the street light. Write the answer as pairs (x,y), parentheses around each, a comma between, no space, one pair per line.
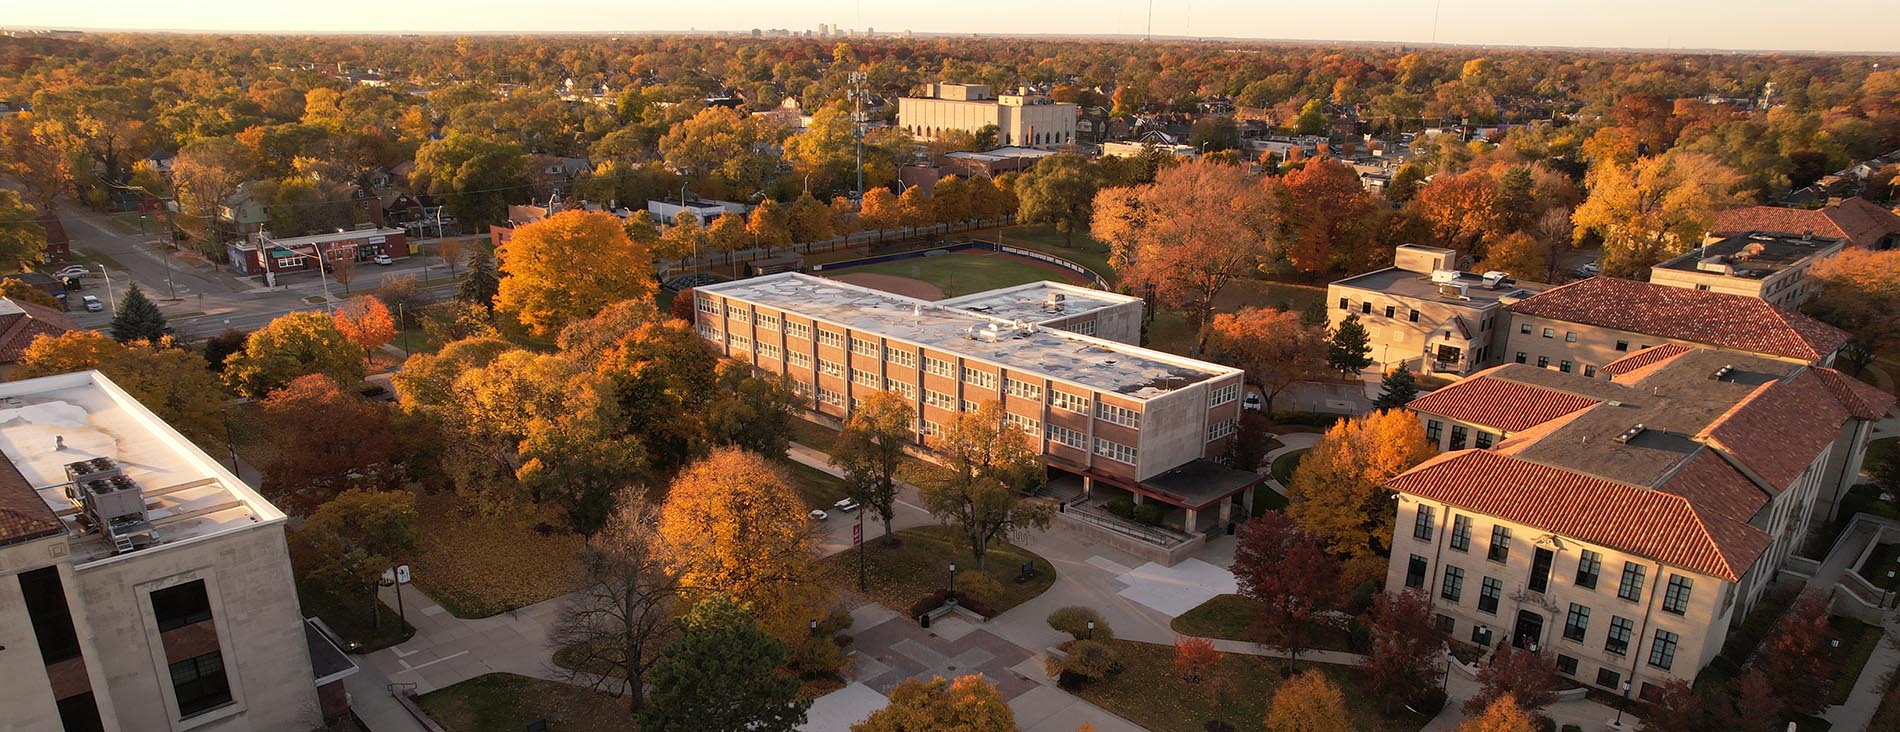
(1624,703)
(1091,630)
(114,299)
(953,578)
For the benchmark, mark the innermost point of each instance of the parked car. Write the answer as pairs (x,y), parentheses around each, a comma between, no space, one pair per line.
(73,270)
(1252,402)
(846,504)
(92,303)
(1591,269)
(382,259)
(817,515)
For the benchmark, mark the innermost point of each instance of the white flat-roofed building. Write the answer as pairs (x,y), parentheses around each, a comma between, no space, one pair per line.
(142,585)
(1107,315)
(1025,120)
(1119,415)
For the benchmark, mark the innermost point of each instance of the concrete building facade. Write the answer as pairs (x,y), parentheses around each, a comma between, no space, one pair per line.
(1773,267)
(1021,120)
(1425,315)
(1622,524)
(1119,416)
(142,586)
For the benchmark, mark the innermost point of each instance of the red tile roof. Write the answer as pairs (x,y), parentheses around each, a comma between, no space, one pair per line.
(1510,406)
(1662,525)
(1860,399)
(23,516)
(1856,219)
(1736,322)
(17,330)
(1779,430)
(1645,358)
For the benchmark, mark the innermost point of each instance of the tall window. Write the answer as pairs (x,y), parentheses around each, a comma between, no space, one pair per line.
(1422,524)
(1488,593)
(1631,588)
(1432,429)
(199,684)
(1662,651)
(1415,572)
(1619,640)
(1458,435)
(1500,544)
(1588,568)
(1482,441)
(181,605)
(1577,622)
(1454,583)
(1676,597)
(1461,533)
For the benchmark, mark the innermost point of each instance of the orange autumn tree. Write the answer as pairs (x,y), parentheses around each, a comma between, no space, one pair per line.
(970,704)
(1338,494)
(365,321)
(1275,347)
(1195,658)
(567,267)
(1503,715)
(734,525)
(1309,702)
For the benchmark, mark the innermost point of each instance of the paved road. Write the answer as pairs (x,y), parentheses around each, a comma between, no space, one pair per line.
(209,298)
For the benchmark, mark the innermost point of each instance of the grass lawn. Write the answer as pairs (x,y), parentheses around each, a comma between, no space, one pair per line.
(1858,641)
(1230,617)
(898,576)
(477,567)
(959,273)
(1879,451)
(351,619)
(1148,693)
(414,339)
(1265,499)
(1085,251)
(1880,563)
(1284,465)
(819,488)
(819,437)
(501,701)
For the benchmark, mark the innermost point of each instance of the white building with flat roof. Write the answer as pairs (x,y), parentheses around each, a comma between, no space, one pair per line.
(1024,120)
(142,585)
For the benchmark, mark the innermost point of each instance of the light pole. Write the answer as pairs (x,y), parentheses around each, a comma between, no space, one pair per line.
(1091,630)
(114,299)
(953,578)
(1622,704)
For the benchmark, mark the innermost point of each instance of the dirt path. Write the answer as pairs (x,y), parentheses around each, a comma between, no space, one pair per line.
(893,284)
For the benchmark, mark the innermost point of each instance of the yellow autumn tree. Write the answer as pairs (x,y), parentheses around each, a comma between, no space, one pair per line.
(366,322)
(1654,208)
(733,525)
(1860,292)
(1338,492)
(1502,716)
(969,703)
(1309,702)
(567,267)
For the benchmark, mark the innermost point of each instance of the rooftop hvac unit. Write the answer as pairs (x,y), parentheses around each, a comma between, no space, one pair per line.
(111,502)
(1631,433)
(1493,278)
(1054,303)
(1442,276)
(1452,290)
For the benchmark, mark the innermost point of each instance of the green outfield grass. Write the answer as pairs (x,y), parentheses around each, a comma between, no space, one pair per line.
(959,273)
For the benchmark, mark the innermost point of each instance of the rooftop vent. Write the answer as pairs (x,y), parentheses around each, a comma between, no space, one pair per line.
(112,503)
(1493,278)
(1442,276)
(1054,303)
(1722,373)
(1631,433)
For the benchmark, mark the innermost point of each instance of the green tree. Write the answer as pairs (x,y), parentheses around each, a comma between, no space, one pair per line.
(475,176)
(1060,190)
(1214,133)
(138,318)
(355,537)
(979,492)
(722,676)
(292,346)
(1397,389)
(969,704)
(751,410)
(1350,348)
(871,448)
(1312,119)
(480,285)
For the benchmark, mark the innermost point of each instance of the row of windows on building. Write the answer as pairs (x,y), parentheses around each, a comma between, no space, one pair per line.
(1576,621)
(1589,563)
(1365,308)
(1435,429)
(1564,365)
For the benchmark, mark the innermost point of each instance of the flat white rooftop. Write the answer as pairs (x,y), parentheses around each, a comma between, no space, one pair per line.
(1031,302)
(49,422)
(1092,363)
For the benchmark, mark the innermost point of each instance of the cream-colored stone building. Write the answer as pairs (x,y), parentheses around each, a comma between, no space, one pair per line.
(1622,524)
(1425,315)
(1581,326)
(1021,120)
(142,586)
(1773,267)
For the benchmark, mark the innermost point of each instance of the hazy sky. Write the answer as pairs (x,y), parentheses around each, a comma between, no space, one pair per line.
(1825,25)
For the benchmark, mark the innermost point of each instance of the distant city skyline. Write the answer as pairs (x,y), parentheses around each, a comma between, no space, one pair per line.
(1818,25)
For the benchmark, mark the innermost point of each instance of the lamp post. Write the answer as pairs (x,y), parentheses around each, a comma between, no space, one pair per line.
(953,578)
(1091,630)
(1622,704)
(114,299)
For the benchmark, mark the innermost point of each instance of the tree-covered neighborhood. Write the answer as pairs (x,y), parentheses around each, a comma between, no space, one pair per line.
(839,379)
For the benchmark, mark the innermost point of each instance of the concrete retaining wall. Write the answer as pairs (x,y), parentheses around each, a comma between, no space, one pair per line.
(1166,556)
